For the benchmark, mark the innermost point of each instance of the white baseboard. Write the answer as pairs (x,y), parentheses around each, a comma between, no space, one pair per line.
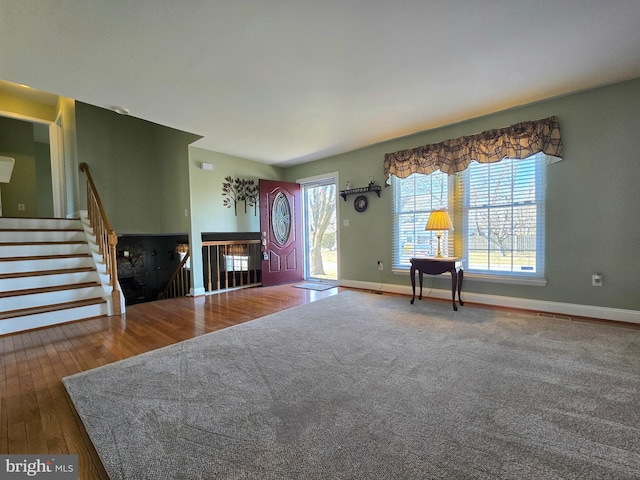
(568,309)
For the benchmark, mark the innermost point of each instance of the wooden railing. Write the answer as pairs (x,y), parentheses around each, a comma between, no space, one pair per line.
(233,263)
(180,283)
(106,238)
(227,264)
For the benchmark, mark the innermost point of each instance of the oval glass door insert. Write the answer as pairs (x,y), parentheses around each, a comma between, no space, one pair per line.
(281,219)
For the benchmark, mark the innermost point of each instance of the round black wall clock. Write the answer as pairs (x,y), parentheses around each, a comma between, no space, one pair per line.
(360,204)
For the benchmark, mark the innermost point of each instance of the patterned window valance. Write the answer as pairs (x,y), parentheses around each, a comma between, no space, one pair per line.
(451,156)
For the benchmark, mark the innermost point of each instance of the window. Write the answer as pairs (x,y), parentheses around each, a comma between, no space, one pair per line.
(497,210)
(503,216)
(414,199)
(236,263)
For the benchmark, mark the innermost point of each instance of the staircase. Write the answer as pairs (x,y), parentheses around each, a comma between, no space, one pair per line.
(48,274)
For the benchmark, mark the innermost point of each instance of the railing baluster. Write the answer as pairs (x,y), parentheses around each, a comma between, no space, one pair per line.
(233,267)
(226,270)
(209,284)
(218,266)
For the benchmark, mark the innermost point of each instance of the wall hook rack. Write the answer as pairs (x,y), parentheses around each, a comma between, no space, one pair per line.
(370,188)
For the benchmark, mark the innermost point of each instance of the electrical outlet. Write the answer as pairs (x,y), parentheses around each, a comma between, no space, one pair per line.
(380,265)
(21,206)
(596,279)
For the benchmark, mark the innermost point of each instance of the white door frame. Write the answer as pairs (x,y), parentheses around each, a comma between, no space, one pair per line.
(309,181)
(56,145)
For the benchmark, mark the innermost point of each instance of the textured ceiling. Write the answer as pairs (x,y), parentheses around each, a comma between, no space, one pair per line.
(283,82)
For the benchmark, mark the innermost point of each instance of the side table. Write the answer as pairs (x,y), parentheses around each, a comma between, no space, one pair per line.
(437,266)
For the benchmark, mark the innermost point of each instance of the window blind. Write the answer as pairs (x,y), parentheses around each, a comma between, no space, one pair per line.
(414,199)
(502,210)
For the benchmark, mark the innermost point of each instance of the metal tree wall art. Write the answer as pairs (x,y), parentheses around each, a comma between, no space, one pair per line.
(233,190)
(239,190)
(251,194)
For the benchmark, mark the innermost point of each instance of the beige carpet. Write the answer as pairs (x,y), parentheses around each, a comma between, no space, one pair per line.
(364,386)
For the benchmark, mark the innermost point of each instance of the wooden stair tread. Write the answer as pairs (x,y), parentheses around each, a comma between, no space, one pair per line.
(56,288)
(60,242)
(51,308)
(41,273)
(41,229)
(42,218)
(45,257)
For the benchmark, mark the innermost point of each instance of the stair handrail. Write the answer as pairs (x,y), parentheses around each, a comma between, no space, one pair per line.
(106,237)
(178,286)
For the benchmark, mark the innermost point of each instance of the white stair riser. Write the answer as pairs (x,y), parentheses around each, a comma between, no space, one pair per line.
(45,264)
(7,251)
(42,236)
(40,223)
(45,231)
(38,281)
(48,298)
(28,322)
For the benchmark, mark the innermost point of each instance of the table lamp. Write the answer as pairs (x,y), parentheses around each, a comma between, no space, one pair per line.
(439,220)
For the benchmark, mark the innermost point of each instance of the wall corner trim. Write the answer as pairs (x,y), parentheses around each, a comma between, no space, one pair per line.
(197,292)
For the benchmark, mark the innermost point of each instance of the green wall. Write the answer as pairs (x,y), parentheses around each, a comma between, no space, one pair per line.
(592,205)
(21,189)
(208,214)
(140,170)
(16,141)
(43,179)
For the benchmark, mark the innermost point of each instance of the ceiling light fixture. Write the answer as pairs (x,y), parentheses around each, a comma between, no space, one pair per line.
(121,110)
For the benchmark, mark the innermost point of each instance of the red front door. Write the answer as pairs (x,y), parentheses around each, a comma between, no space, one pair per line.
(280,232)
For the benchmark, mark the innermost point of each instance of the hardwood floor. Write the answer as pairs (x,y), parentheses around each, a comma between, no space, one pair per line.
(36,416)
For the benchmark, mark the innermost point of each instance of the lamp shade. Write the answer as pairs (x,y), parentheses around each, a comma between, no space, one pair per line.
(439,220)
